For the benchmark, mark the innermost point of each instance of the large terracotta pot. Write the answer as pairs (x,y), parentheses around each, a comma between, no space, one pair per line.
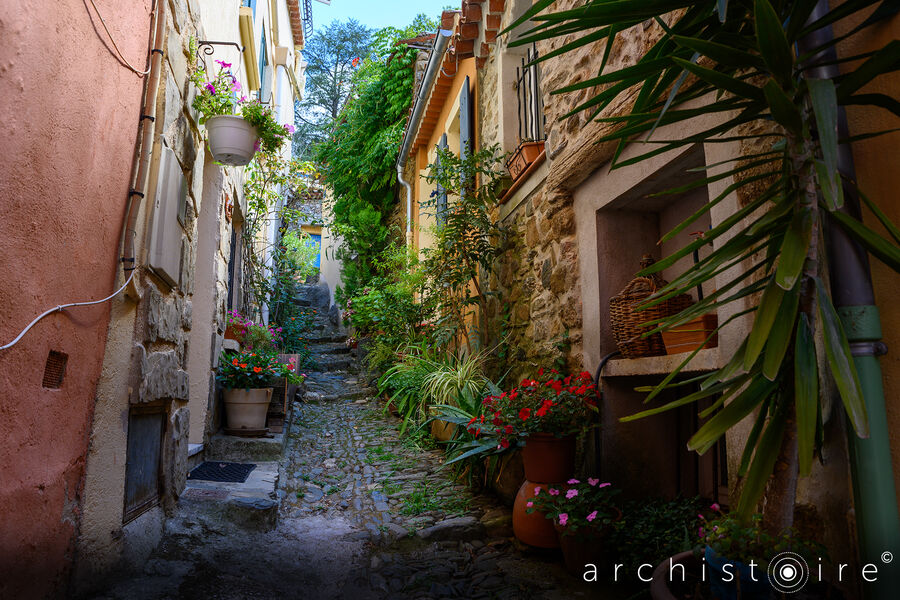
(442,431)
(548,461)
(534,529)
(231,333)
(232,140)
(246,409)
(549,458)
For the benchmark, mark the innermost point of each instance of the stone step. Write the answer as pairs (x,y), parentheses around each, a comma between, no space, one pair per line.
(231,448)
(329,348)
(316,296)
(251,505)
(330,396)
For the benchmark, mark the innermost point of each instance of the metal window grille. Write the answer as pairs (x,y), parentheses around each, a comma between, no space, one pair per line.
(528,96)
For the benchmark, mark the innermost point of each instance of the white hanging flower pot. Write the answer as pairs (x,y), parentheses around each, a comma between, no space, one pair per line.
(232,140)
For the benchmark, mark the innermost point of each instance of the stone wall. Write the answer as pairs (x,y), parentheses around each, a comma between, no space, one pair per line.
(146,362)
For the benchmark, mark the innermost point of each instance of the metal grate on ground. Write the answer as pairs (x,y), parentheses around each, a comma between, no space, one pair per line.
(224,472)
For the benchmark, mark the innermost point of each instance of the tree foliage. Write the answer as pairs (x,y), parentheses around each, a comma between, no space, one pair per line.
(332,55)
(358,159)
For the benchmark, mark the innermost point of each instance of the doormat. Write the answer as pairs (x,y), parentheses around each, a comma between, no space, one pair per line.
(225,472)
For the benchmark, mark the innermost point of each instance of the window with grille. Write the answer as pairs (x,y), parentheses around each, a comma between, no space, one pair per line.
(528,95)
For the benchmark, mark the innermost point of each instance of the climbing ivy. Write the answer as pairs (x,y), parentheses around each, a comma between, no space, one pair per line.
(357,161)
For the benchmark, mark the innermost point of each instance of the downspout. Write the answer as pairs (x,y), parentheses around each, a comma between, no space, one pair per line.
(434,65)
(875,496)
(145,141)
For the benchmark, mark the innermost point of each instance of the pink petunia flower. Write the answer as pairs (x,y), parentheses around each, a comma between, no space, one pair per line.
(529,504)
(603,485)
(563,518)
(537,490)
(571,494)
(593,481)
(592,516)
(554,492)
(715,506)
(573,481)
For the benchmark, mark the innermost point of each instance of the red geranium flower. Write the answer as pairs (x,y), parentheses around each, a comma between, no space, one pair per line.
(524,414)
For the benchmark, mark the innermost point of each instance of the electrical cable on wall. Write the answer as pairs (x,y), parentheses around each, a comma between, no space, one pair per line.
(118,52)
(64,306)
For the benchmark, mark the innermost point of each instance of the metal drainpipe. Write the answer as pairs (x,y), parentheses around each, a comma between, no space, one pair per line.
(875,496)
(434,65)
(145,142)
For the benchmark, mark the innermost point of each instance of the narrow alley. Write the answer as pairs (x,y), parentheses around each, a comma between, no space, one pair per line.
(362,513)
(478,299)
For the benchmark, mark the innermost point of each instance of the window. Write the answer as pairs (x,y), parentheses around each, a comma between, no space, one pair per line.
(529,103)
(441,193)
(265,85)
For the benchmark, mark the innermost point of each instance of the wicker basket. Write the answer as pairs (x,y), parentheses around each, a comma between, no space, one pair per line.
(628,324)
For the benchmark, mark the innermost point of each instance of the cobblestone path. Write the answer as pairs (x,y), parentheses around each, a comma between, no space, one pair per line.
(363,514)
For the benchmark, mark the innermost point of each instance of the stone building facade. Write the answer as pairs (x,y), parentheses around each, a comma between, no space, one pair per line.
(133,400)
(579,231)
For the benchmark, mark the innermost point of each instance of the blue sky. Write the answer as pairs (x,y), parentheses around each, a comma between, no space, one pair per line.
(377,13)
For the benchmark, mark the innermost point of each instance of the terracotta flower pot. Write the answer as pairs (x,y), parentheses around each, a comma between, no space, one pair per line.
(232,140)
(548,458)
(442,431)
(246,409)
(534,529)
(231,332)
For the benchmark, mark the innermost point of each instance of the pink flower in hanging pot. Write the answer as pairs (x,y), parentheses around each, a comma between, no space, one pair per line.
(563,518)
(592,516)
(571,494)
(592,481)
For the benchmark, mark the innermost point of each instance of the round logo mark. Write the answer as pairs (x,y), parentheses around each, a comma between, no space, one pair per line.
(788,572)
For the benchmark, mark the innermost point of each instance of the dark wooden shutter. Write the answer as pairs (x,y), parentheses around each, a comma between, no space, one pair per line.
(146,427)
(441,204)
(466,123)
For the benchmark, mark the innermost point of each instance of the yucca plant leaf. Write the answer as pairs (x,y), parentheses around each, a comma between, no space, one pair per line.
(794,249)
(806,393)
(840,361)
(773,45)
(886,252)
(537,7)
(733,412)
(753,439)
(763,463)
(689,399)
(768,309)
(882,218)
(780,336)
(783,109)
(880,100)
(722,9)
(825,107)
(721,80)
(884,61)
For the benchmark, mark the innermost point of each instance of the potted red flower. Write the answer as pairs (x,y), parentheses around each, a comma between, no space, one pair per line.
(247,379)
(543,415)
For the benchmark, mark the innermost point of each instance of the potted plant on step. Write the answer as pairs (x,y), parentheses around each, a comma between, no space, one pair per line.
(237,127)
(246,378)
(583,514)
(544,415)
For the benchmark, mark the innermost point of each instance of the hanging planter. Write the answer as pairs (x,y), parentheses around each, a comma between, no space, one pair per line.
(235,138)
(232,140)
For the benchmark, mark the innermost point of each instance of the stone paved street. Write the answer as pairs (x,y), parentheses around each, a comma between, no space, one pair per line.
(363,514)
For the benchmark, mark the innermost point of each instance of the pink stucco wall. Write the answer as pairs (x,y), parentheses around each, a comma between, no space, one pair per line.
(68,118)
